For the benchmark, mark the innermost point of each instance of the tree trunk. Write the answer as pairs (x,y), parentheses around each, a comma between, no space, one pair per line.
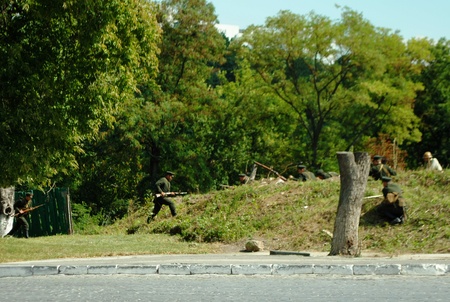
(6,210)
(354,171)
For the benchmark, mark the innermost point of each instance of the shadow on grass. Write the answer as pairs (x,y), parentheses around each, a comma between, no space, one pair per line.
(372,218)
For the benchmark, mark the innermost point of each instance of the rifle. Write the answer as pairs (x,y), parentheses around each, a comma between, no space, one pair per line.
(171,194)
(271,170)
(28,210)
(374,196)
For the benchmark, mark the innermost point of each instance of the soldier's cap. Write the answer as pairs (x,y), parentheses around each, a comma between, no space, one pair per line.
(169,173)
(242,175)
(301,167)
(377,157)
(29,194)
(385,179)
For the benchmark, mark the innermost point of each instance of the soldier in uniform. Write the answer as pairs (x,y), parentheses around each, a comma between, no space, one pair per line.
(162,187)
(378,169)
(303,174)
(21,222)
(431,163)
(321,174)
(243,179)
(392,207)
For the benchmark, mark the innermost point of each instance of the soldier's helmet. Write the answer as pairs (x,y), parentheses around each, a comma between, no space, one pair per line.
(427,155)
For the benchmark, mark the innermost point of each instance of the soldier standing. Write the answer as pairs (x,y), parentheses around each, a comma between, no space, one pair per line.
(20,208)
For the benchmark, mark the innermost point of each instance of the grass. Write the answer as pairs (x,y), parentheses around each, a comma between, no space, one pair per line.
(289,216)
(86,246)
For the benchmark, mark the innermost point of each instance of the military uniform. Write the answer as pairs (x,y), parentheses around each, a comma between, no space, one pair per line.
(163,186)
(21,221)
(393,205)
(325,175)
(378,170)
(304,175)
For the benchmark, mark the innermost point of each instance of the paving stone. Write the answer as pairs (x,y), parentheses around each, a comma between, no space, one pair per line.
(345,269)
(292,269)
(210,269)
(137,269)
(424,269)
(102,269)
(251,269)
(16,271)
(174,269)
(73,270)
(45,270)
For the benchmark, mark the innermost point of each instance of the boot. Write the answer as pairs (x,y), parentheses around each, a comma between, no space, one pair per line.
(26,234)
(151,218)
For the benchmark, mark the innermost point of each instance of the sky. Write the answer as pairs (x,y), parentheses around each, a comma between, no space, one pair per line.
(412,18)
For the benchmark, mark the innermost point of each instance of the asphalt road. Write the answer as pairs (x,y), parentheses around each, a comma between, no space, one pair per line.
(109,288)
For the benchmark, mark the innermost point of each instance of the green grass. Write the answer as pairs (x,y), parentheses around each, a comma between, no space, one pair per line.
(85,246)
(290,216)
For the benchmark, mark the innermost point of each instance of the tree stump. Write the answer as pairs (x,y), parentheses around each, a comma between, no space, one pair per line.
(354,171)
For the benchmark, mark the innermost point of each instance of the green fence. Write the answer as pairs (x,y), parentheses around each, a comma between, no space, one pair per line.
(55,214)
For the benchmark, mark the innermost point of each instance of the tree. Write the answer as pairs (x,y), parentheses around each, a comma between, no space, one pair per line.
(354,171)
(176,115)
(67,68)
(432,106)
(343,81)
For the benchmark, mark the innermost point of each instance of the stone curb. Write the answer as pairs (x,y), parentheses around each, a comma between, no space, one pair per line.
(232,269)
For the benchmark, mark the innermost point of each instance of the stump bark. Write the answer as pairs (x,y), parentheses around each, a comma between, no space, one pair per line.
(354,171)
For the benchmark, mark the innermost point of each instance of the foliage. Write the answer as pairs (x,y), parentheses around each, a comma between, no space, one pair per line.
(432,106)
(84,221)
(67,68)
(342,80)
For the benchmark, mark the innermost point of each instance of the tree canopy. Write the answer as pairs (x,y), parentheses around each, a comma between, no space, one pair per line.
(67,68)
(342,80)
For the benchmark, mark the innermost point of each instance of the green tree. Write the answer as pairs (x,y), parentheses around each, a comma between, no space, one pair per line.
(68,67)
(190,47)
(342,80)
(432,106)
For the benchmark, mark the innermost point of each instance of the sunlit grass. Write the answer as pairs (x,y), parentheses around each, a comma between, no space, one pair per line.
(291,216)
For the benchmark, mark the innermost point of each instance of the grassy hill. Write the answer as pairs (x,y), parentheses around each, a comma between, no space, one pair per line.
(300,216)
(295,216)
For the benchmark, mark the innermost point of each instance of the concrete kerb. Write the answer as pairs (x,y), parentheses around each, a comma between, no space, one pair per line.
(239,269)
(234,264)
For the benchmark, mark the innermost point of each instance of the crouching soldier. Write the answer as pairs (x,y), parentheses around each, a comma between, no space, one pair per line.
(392,207)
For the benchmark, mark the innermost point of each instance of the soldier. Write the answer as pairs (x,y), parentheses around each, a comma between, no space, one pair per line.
(378,169)
(321,174)
(21,222)
(431,163)
(392,207)
(303,174)
(243,179)
(162,188)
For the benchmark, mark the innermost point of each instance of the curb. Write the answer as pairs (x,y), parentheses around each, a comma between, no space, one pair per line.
(230,269)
